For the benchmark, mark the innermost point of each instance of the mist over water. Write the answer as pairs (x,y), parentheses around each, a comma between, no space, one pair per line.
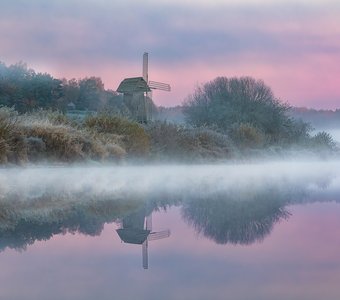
(239,223)
(178,181)
(227,203)
(335,133)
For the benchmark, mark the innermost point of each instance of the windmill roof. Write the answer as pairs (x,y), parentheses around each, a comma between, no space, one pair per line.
(132,235)
(133,85)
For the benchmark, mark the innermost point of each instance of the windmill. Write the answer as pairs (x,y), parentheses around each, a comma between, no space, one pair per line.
(137,229)
(137,93)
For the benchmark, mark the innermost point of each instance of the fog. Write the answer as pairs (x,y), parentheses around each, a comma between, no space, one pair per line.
(227,203)
(196,180)
(335,133)
(142,182)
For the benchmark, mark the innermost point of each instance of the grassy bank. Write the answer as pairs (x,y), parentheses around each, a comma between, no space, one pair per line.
(46,136)
(50,136)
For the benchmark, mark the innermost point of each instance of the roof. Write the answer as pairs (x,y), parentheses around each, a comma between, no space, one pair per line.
(133,236)
(133,85)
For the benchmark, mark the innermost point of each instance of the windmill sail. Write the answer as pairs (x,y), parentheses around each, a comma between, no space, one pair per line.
(153,84)
(153,236)
(145,255)
(159,86)
(148,222)
(146,66)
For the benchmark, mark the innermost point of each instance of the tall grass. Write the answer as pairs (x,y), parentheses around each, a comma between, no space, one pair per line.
(11,140)
(64,141)
(6,129)
(170,141)
(133,136)
(46,135)
(247,136)
(51,136)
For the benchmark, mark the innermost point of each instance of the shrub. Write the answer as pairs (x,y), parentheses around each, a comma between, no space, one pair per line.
(170,141)
(11,141)
(133,136)
(47,117)
(247,136)
(64,142)
(295,132)
(68,144)
(323,141)
(6,130)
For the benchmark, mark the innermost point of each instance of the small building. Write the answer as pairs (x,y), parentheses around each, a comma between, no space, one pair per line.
(135,97)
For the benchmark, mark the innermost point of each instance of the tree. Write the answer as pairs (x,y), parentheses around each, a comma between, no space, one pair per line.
(26,90)
(324,142)
(228,102)
(91,93)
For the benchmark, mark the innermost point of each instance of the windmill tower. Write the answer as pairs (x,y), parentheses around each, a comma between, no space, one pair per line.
(137,93)
(137,229)
(153,236)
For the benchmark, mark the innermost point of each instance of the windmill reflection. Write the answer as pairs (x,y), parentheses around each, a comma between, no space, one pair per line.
(137,229)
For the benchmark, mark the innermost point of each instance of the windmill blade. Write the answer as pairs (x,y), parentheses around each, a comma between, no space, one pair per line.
(153,236)
(159,86)
(145,66)
(148,222)
(145,255)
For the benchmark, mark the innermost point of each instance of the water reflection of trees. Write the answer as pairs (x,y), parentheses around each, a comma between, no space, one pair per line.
(238,215)
(226,220)
(247,213)
(24,222)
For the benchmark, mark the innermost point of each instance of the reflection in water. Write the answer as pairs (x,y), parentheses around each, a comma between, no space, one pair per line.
(226,220)
(136,228)
(24,222)
(225,204)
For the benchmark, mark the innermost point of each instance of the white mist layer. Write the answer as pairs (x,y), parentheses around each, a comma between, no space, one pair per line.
(320,178)
(335,133)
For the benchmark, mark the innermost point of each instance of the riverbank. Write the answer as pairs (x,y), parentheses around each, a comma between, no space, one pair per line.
(53,138)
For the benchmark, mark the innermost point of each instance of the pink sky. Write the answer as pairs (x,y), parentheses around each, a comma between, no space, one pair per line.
(292,45)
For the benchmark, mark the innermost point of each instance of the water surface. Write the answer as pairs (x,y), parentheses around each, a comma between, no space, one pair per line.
(246,231)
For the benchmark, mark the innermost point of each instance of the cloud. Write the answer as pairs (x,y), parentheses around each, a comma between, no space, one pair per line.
(174,32)
(102,36)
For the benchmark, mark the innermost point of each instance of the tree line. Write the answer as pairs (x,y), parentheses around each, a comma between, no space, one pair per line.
(243,109)
(26,90)
(325,119)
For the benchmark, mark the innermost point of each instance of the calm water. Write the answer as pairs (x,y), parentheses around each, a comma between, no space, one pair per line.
(250,231)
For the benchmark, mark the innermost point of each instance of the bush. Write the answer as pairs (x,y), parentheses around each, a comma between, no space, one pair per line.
(68,144)
(6,131)
(323,141)
(247,136)
(11,141)
(295,132)
(49,116)
(50,136)
(170,141)
(133,136)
